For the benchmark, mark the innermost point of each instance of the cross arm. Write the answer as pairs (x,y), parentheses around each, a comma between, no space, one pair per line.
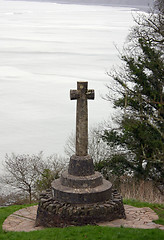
(74,94)
(90,94)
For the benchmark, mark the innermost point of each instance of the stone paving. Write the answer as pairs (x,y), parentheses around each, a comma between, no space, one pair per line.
(136,218)
(24,219)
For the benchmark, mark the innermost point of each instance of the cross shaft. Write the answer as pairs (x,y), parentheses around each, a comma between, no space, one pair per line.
(82,94)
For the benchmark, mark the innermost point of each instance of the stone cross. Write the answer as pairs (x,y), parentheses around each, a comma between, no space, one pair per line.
(82,94)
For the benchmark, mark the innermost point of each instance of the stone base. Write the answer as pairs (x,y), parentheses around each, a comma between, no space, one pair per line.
(52,213)
(86,195)
(81,189)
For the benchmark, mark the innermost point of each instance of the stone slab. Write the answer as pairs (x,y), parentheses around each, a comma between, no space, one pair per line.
(24,220)
(136,218)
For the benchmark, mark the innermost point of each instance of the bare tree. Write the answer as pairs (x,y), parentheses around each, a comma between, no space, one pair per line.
(159,4)
(97,148)
(70,145)
(22,172)
(53,167)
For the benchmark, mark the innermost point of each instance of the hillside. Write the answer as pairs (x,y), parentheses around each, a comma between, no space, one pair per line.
(144,3)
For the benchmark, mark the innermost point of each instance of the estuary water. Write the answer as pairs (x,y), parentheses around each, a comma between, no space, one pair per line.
(45,48)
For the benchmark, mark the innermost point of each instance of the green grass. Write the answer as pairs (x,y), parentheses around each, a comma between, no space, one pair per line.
(86,232)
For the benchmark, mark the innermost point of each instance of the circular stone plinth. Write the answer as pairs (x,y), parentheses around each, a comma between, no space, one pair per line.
(24,219)
(81,181)
(81,195)
(52,213)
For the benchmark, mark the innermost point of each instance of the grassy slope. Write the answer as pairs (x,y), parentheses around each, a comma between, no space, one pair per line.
(83,233)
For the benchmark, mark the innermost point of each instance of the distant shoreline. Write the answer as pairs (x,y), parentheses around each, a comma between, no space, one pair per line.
(143,5)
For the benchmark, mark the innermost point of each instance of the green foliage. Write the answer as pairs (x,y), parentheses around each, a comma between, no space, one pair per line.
(144,142)
(117,165)
(139,84)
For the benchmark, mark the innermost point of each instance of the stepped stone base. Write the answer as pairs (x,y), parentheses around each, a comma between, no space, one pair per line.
(80,196)
(78,189)
(54,213)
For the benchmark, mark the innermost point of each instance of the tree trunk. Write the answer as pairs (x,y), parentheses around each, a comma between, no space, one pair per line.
(30,194)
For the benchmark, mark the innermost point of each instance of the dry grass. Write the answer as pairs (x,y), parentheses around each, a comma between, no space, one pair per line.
(144,191)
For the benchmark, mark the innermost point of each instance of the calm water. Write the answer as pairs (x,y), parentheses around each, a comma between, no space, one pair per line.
(45,49)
